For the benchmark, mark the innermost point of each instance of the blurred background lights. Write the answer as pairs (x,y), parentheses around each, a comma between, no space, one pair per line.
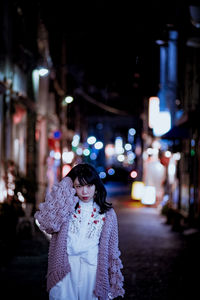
(149,195)
(69,99)
(111,171)
(192,152)
(102,175)
(57,155)
(93,156)
(43,71)
(158,168)
(133,174)
(10,192)
(162,123)
(171,169)
(119,145)
(75,143)
(109,150)
(20,197)
(167,154)
(128,147)
(68,157)
(86,152)
(154,108)
(79,151)
(137,190)
(145,155)
(171,172)
(51,154)
(57,134)
(65,170)
(76,140)
(132,131)
(120,157)
(150,151)
(76,137)
(98,145)
(156,144)
(36,79)
(91,140)
(177,156)
(131,155)
(3,191)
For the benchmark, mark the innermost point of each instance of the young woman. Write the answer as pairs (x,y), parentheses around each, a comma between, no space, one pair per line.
(84,259)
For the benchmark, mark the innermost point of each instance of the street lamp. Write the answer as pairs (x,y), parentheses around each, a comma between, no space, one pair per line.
(67,100)
(43,71)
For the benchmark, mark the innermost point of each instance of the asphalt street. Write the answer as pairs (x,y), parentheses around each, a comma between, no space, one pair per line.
(159,264)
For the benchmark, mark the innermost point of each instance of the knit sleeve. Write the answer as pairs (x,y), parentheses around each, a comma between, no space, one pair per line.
(115,265)
(58,205)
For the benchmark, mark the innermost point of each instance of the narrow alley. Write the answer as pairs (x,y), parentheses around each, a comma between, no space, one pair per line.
(159,264)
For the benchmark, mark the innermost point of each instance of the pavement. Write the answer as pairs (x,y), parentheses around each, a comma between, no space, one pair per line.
(23,276)
(159,264)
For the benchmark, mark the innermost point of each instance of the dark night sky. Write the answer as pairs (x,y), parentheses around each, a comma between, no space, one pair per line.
(111,41)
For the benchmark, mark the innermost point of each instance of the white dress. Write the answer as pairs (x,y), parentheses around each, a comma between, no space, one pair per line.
(82,248)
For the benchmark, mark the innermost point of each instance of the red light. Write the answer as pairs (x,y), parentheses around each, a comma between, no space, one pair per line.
(133,174)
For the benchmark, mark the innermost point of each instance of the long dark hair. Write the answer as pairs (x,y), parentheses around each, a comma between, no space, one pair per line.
(87,174)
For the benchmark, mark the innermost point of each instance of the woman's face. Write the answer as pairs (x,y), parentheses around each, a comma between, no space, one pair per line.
(84,192)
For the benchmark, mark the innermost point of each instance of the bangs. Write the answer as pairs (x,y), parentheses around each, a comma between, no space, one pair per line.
(86,178)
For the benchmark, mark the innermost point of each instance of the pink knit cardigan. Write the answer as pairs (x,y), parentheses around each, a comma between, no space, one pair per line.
(53,217)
